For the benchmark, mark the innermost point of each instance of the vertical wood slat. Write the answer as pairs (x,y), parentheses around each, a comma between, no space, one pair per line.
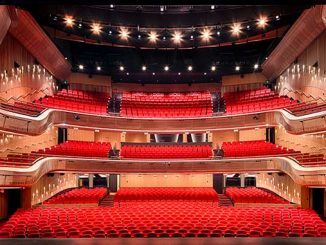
(309,26)
(34,39)
(5,22)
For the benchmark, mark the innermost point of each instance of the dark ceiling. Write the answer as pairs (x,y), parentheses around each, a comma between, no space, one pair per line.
(223,50)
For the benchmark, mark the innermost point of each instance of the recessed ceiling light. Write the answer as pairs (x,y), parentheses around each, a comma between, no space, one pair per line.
(81,67)
(179,73)
(144,68)
(127,73)
(96,28)
(139,36)
(189,68)
(277,17)
(206,35)
(236,29)
(166,68)
(256,66)
(152,36)
(69,21)
(177,37)
(212,7)
(66,58)
(110,32)
(191,37)
(237,68)
(121,68)
(262,21)
(153,73)
(205,73)
(98,68)
(213,68)
(218,33)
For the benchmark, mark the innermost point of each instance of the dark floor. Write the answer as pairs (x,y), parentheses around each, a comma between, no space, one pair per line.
(170,241)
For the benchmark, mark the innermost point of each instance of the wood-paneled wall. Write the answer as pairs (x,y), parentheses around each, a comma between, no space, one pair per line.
(25,144)
(79,134)
(48,186)
(166,180)
(219,137)
(303,82)
(25,85)
(252,134)
(282,185)
(233,83)
(113,137)
(99,83)
(136,137)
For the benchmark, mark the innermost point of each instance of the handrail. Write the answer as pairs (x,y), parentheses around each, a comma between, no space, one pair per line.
(303,93)
(25,95)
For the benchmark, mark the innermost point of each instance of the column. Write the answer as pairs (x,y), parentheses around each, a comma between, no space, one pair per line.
(185,137)
(108,181)
(242,180)
(91,180)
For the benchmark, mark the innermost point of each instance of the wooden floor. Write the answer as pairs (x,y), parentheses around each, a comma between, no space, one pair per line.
(170,241)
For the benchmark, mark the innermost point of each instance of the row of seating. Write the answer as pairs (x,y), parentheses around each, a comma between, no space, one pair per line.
(253,195)
(78,148)
(24,108)
(149,194)
(166,105)
(77,100)
(163,221)
(166,151)
(254,148)
(303,108)
(79,196)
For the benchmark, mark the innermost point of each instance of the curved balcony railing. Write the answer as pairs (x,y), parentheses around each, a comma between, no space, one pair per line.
(22,124)
(309,176)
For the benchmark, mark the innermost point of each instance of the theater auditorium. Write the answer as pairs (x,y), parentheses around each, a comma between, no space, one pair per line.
(162,124)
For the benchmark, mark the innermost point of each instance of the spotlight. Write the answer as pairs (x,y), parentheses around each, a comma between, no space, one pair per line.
(262,21)
(152,36)
(177,37)
(212,7)
(237,68)
(164,38)
(179,73)
(121,68)
(124,34)
(218,33)
(162,8)
(277,17)
(189,68)
(213,68)
(98,68)
(127,73)
(191,37)
(248,27)
(166,68)
(206,35)
(96,28)
(139,36)
(69,21)
(205,73)
(110,32)
(153,73)
(256,66)
(144,68)
(80,25)
(66,58)
(236,29)
(111,6)
(81,67)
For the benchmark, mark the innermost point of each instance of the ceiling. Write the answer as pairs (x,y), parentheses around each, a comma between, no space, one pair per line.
(224,49)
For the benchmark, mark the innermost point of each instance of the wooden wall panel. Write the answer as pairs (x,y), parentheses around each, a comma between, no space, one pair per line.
(233,83)
(97,83)
(282,185)
(136,137)
(252,134)
(166,180)
(308,27)
(78,134)
(113,137)
(5,22)
(29,86)
(219,137)
(34,39)
(3,204)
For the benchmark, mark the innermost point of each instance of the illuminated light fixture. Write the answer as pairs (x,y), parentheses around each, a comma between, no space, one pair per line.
(124,34)
(69,21)
(256,66)
(139,36)
(236,29)
(206,35)
(162,8)
(152,36)
(80,25)
(153,73)
(111,6)
(277,17)
(110,32)
(166,68)
(218,33)
(262,21)
(121,68)
(191,37)
(81,67)
(205,73)
(96,28)
(237,68)
(248,27)
(144,68)
(177,37)
(189,68)
(213,68)
(212,7)
(127,73)
(98,68)
(164,38)
(179,73)
(66,58)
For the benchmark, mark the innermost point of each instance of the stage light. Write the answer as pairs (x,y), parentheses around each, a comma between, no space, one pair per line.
(144,68)
(191,37)
(177,37)
(139,36)
(277,17)
(121,68)
(237,68)
(218,33)
(98,68)
(110,32)
(153,73)
(166,68)
(256,66)
(236,29)
(206,35)
(69,21)
(162,8)
(81,67)
(213,68)
(248,27)
(124,33)
(212,7)
(179,73)
(127,73)
(205,73)
(80,25)
(189,68)
(262,21)
(152,36)
(111,6)
(96,28)
(164,38)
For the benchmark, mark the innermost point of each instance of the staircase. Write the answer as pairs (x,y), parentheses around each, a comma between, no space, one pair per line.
(107,201)
(224,201)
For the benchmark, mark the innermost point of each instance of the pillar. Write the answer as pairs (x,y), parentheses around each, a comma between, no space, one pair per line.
(184,137)
(123,137)
(148,137)
(242,180)
(305,197)
(108,181)
(26,197)
(77,180)
(91,180)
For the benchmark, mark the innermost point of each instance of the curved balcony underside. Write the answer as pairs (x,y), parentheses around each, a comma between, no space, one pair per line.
(22,124)
(309,176)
